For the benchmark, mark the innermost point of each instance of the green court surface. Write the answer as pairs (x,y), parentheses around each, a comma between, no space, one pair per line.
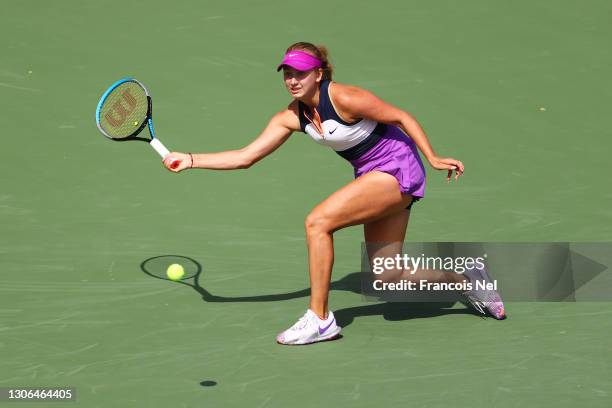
(519,91)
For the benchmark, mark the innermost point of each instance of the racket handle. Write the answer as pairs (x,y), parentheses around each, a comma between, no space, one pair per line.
(159,147)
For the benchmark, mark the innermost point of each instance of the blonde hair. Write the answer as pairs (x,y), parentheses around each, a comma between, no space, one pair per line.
(319,51)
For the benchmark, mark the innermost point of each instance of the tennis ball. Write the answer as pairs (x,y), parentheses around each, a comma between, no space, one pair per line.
(135,123)
(175,272)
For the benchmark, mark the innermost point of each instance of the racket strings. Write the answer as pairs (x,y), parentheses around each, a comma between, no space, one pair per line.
(124,111)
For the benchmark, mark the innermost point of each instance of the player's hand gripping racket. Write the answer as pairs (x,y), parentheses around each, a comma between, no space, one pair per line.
(124,110)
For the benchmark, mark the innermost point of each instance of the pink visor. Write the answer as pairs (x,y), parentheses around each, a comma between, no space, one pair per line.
(300,60)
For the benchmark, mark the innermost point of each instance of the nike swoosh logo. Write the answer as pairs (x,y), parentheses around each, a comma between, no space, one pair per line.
(323,330)
(332,131)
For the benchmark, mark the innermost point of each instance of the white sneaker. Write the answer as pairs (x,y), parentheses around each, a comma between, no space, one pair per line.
(310,329)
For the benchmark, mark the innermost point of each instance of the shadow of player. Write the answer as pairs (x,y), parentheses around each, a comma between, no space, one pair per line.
(391,311)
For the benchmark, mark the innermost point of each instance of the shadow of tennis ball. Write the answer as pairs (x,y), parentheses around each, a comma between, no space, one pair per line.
(208,383)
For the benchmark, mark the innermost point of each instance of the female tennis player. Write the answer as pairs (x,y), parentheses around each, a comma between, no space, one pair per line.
(380,141)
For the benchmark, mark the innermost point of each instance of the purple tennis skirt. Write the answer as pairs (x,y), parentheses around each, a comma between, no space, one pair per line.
(395,154)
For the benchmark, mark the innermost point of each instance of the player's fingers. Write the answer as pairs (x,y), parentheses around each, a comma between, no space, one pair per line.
(461,166)
(168,159)
(445,166)
(172,164)
(453,163)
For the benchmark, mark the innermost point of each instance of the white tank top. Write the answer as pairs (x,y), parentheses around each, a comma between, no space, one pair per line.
(337,134)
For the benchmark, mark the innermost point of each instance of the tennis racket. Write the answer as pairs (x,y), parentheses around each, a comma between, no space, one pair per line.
(124,110)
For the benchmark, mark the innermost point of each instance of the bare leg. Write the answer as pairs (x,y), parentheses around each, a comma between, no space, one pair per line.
(368,198)
(385,238)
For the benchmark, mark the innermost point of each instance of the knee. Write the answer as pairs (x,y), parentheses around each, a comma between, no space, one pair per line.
(317,223)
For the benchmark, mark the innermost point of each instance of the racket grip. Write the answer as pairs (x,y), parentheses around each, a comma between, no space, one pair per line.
(159,147)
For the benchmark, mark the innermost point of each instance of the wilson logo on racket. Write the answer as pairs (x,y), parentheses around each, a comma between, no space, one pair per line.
(121,110)
(125,110)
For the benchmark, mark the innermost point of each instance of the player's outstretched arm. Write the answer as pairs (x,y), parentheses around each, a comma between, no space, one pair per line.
(275,134)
